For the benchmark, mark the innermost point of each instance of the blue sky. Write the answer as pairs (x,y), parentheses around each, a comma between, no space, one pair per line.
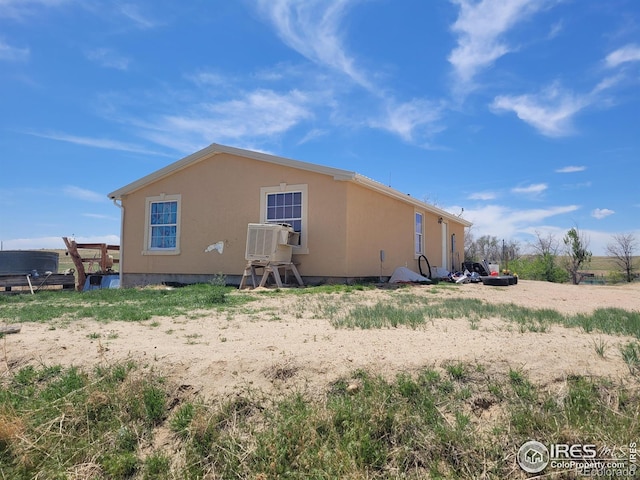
(524,113)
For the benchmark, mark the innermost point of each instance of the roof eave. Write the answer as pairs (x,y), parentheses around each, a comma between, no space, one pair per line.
(372,184)
(336,173)
(163,172)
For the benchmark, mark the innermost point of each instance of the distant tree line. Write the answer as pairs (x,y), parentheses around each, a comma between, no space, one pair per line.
(550,259)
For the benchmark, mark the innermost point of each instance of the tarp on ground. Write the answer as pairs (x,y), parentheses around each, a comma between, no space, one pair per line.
(405,275)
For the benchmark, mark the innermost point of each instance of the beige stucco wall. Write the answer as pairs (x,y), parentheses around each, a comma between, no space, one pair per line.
(377,222)
(347,223)
(219,197)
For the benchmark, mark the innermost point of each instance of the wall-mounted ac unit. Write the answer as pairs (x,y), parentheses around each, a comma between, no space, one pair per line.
(270,242)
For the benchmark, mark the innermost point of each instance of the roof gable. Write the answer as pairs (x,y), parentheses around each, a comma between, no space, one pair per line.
(215,149)
(336,173)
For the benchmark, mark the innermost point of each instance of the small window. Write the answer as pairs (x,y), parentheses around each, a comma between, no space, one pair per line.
(163,224)
(419,234)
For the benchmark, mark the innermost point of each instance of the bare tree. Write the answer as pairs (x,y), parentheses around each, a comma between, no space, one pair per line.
(510,251)
(469,245)
(544,264)
(576,249)
(545,244)
(621,249)
(488,247)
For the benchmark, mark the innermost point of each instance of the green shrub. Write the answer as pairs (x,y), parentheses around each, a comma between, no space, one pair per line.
(540,267)
(631,356)
(181,421)
(156,467)
(217,295)
(119,465)
(616,277)
(155,402)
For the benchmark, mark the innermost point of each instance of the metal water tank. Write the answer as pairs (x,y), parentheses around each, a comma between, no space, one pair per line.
(21,262)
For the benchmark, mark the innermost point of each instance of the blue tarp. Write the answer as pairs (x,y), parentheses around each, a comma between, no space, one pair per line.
(97,282)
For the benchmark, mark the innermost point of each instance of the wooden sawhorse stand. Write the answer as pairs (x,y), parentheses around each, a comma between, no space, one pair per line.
(270,268)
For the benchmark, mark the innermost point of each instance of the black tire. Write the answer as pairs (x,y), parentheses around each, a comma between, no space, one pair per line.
(496,281)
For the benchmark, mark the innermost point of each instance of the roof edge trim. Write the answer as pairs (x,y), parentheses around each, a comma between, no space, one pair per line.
(213,149)
(336,173)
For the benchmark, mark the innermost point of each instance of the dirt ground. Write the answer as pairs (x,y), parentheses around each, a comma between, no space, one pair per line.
(286,342)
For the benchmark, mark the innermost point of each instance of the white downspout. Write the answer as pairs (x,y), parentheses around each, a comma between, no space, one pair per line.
(444,249)
(121,207)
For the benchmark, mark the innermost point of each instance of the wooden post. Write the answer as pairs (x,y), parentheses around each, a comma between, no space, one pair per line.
(29,281)
(104,256)
(72,248)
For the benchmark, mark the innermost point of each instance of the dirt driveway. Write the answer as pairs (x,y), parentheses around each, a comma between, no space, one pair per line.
(287,342)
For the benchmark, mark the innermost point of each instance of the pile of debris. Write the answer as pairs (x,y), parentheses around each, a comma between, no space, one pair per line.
(472,272)
(105,276)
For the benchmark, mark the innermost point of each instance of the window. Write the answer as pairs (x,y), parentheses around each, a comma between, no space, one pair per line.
(419,234)
(163,225)
(286,204)
(285,208)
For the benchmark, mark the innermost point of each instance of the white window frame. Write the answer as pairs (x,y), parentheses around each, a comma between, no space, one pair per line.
(418,236)
(147,249)
(284,188)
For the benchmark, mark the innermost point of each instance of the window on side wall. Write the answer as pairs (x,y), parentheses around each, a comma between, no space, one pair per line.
(419,234)
(162,235)
(286,204)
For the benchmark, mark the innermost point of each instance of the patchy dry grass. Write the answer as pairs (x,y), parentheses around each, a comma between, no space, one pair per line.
(454,420)
(462,421)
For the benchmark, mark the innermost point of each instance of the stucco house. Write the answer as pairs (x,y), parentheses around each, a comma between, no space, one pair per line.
(344,219)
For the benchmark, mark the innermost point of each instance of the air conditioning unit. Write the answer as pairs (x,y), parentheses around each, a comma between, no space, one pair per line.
(270,242)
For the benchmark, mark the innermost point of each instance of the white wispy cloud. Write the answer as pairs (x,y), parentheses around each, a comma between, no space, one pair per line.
(538,214)
(577,186)
(106,144)
(258,114)
(55,242)
(556,29)
(506,222)
(13,54)
(18,9)
(628,53)
(533,189)
(109,58)
(312,135)
(208,79)
(99,216)
(571,169)
(600,213)
(608,83)
(483,196)
(284,70)
(139,19)
(481,27)
(412,119)
(550,112)
(312,28)
(83,194)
